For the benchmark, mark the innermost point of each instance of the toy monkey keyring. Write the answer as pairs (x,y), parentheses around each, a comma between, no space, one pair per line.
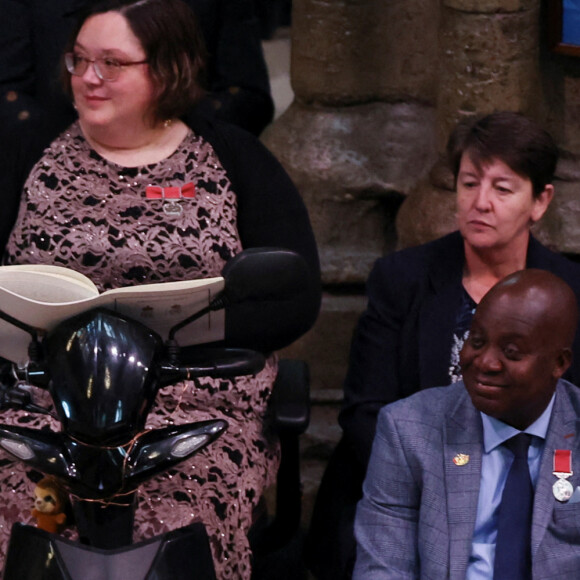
(49,505)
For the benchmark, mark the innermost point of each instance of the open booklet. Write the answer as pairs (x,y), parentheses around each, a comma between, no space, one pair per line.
(43,295)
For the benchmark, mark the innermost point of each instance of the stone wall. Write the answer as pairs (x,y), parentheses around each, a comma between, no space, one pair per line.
(378,86)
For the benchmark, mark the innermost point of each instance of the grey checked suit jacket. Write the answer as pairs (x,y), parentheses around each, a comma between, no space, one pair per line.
(417,516)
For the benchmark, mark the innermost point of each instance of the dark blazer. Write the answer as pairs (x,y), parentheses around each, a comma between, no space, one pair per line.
(418,513)
(33,34)
(401,345)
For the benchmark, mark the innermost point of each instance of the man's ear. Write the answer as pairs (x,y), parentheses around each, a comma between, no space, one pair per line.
(562,362)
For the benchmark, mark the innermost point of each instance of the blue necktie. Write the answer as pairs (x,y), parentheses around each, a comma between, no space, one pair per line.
(513,558)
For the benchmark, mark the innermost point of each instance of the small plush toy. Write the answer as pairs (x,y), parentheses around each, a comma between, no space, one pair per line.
(49,505)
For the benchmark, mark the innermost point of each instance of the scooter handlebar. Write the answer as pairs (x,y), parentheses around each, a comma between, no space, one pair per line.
(212,362)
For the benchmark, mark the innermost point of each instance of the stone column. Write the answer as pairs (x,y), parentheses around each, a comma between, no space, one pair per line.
(489,60)
(358,137)
(360,132)
(561,90)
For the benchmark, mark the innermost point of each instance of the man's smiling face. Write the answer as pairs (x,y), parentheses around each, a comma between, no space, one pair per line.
(514,355)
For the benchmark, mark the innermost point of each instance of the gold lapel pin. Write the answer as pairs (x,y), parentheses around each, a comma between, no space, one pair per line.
(461,459)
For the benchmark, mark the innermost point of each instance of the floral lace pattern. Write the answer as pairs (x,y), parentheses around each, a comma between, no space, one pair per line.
(455,374)
(84,212)
(463,320)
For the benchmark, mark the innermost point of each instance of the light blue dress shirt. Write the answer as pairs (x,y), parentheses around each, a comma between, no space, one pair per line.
(495,465)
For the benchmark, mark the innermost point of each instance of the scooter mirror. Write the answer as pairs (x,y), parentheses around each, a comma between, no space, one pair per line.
(263,274)
(267,292)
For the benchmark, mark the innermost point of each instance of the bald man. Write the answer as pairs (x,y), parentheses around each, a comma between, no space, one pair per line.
(441,458)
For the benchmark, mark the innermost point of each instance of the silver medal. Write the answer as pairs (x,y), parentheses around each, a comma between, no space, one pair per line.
(562,490)
(172,208)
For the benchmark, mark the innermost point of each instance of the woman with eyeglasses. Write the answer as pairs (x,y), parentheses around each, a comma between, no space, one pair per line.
(132,69)
(34,34)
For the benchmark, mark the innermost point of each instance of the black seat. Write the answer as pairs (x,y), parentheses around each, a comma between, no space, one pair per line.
(276,541)
(330,548)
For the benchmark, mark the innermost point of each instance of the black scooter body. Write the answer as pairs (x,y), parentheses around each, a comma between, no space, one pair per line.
(178,555)
(105,372)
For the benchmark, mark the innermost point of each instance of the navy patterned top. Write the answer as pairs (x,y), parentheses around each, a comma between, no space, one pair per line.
(460,334)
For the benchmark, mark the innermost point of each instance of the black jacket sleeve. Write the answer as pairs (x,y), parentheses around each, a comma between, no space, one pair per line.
(374,373)
(20,150)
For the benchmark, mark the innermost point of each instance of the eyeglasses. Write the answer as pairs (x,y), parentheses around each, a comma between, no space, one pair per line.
(107,68)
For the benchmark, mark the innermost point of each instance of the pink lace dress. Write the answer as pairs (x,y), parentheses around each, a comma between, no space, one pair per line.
(91,215)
